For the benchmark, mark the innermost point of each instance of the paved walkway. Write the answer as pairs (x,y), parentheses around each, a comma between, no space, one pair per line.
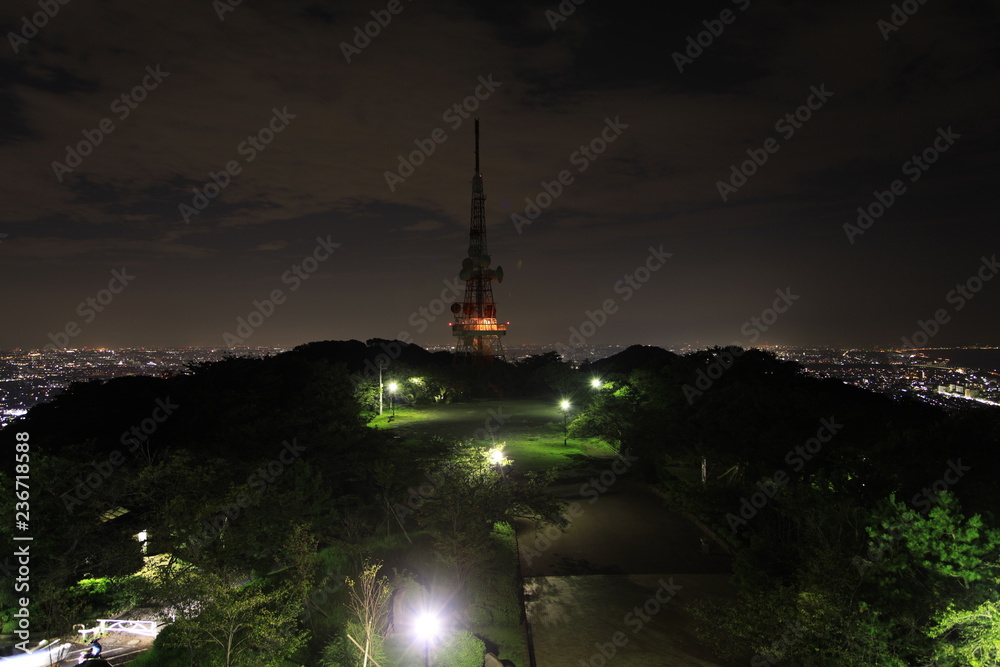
(627,620)
(624,529)
(619,583)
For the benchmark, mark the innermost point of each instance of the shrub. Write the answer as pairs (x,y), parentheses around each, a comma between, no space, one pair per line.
(463,649)
(341,652)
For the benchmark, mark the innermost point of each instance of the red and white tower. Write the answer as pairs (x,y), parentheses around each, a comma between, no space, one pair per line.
(476,327)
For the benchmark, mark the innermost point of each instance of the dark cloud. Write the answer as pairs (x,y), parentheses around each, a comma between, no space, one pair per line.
(323,175)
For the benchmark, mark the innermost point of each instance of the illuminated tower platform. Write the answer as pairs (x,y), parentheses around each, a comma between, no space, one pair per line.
(479,334)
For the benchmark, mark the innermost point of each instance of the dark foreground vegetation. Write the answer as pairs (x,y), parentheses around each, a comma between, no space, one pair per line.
(282,528)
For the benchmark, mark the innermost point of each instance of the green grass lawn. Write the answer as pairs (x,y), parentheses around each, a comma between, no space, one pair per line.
(405,415)
(540,453)
(530,431)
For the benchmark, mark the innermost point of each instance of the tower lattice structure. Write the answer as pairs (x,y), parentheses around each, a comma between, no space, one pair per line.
(479,334)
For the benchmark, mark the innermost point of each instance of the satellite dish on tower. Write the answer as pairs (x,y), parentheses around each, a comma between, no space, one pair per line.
(465,274)
(467,263)
(456,308)
(499,274)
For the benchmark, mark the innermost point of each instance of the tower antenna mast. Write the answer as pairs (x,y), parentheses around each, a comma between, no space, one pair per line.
(479,334)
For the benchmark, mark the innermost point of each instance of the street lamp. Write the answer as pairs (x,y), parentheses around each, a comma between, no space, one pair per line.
(565,408)
(428,626)
(381,388)
(595,383)
(498,458)
(392,397)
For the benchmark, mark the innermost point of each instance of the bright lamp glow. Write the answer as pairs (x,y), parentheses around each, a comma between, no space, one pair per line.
(428,626)
(564,405)
(596,383)
(496,456)
(393,386)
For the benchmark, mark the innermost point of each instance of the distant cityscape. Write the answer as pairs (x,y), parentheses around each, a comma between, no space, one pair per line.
(29,377)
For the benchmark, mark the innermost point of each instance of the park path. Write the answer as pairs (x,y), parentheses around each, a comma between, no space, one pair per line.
(617,586)
(627,620)
(621,581)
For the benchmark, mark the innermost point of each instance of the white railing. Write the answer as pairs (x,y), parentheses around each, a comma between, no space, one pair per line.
(145,628)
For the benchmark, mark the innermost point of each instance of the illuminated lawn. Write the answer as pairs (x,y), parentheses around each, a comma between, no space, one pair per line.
(405,416)
(530,430)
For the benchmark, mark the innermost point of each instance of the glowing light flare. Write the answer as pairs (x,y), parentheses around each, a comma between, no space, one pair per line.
(427,626)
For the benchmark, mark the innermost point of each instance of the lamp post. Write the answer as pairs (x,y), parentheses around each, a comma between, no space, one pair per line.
(565,408)
(381,388)
(427,629)
(392,397)
(595,383)
(497,459)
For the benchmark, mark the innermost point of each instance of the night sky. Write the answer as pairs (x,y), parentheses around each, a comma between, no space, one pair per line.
(266,88)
